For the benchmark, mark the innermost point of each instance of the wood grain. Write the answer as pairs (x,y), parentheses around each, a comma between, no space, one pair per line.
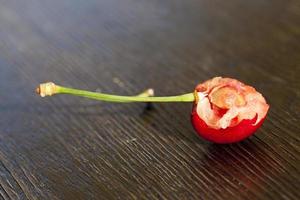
(73,148)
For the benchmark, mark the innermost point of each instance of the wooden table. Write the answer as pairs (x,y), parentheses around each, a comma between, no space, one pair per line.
(73,148)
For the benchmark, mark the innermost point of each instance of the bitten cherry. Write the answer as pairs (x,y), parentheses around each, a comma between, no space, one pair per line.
(225,110)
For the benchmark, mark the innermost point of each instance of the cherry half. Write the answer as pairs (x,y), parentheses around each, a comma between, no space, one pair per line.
(225,110)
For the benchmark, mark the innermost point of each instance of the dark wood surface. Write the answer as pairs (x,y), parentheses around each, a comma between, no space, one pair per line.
(73,148)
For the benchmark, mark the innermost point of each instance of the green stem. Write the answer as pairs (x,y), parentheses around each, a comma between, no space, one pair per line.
(123,99)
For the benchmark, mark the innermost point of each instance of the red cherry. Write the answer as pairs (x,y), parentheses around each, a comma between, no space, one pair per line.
(227,111)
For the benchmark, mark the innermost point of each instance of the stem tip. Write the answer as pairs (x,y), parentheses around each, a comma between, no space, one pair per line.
(46,89)
(38,90)
(150,92)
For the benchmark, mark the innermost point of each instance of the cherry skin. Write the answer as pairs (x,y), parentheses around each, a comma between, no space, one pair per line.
(225,136)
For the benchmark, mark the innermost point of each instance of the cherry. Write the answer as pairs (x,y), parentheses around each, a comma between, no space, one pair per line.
(225,110)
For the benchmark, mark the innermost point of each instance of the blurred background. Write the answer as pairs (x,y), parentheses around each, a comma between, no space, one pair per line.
(73,148)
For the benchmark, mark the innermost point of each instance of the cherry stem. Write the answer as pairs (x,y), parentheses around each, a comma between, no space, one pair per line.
(48,89)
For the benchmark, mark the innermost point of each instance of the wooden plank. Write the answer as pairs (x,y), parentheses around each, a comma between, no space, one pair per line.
(73,148)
